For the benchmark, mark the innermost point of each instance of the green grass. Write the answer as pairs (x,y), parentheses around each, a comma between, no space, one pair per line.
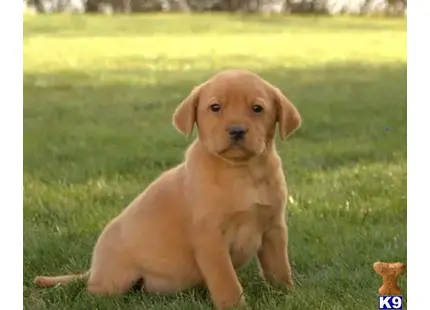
(98,97)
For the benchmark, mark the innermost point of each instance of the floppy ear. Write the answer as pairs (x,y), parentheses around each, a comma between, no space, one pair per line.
(288,117)
(185,114)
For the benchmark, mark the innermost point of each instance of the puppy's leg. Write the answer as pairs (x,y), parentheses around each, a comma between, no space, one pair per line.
(111,281)
(273,256)
(111,272)
(215,264)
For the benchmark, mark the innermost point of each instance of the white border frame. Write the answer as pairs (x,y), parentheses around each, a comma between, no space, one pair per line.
(418,153)
(11,130)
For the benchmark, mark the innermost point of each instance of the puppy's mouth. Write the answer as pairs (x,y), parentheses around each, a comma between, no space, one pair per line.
(236,151)
(239,145)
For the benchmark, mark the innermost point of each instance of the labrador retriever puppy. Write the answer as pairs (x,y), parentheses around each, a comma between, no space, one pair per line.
(202,220)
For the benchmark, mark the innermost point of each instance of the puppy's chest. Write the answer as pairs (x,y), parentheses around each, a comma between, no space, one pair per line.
(243,233)
(256,190)
(251,202)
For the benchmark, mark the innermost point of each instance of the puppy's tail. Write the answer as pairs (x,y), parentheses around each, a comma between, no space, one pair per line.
(58,280)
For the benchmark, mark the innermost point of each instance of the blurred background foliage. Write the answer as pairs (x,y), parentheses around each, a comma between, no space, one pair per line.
(330,7)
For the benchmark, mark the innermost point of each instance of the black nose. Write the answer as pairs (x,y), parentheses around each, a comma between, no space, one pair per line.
(236,132)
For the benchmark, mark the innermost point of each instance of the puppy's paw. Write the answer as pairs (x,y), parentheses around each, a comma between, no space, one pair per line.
(285,281)
(233,304)
(288,282)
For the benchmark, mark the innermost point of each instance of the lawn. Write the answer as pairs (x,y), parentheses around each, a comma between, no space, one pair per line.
(98,97)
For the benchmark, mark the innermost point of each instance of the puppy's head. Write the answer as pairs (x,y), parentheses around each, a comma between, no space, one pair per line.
(236,112)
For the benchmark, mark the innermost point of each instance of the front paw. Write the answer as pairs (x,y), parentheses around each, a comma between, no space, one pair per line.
(287,280)
(289,283)
(281,282)
(235,304)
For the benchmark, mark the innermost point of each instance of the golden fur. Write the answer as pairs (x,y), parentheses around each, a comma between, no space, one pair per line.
(200,221)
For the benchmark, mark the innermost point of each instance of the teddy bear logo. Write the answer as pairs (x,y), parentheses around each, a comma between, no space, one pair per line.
(389,273)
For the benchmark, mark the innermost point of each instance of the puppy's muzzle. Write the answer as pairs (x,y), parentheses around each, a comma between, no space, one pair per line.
(237,133)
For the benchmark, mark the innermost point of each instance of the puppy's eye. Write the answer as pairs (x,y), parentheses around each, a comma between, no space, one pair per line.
(215,107)
(257,108)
